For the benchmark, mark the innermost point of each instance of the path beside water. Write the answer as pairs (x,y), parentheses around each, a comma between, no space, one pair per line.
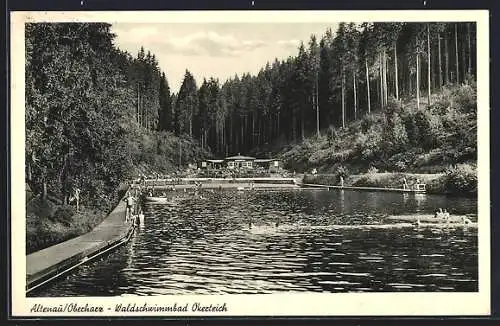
(47,263)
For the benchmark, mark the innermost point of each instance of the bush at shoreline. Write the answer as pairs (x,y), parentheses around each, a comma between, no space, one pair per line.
(458,180)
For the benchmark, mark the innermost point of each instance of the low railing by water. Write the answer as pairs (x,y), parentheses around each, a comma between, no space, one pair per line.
(419,190)
(215,181)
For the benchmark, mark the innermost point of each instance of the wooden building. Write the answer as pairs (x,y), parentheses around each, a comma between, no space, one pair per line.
(242,162)
(239,161)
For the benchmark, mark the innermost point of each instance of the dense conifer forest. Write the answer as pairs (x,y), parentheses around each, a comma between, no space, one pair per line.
(361,94)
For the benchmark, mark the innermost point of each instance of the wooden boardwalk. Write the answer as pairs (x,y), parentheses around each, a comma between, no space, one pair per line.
(49,263)
(365,188)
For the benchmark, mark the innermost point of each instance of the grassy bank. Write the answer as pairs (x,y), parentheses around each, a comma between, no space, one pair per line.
(458,180)
(60,224)
(49,222)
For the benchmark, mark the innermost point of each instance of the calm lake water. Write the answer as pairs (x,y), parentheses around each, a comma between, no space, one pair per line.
(325,242)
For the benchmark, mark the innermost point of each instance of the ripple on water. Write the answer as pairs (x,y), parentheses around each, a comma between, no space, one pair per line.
(327,241)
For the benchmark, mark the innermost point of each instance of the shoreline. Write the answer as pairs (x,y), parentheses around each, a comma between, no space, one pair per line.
(47,264)
(387,180)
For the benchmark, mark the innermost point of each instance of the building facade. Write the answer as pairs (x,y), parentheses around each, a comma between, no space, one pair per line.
(242,162)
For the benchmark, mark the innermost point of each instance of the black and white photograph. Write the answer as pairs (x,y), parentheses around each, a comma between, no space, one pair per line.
(245,164)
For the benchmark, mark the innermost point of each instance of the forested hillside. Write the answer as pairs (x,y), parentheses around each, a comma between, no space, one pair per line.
(401,138)
(94,114)
(338,79)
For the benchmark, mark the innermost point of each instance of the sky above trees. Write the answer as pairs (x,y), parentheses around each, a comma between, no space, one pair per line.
(215,50)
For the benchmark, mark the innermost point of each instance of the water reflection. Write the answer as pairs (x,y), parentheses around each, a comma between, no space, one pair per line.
(326,241)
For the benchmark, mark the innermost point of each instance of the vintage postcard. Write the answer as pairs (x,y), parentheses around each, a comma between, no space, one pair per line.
(250,163)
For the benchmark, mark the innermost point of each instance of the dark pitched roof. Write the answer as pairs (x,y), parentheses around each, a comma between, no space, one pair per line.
(240,157)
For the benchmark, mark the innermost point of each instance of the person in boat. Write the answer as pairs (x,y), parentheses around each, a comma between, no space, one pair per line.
(446,215)
(439,213)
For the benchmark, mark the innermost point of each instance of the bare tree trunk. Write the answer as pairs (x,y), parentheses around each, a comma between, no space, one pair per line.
(242,137)
(44,190)
(278,123)
(469,70)
(191,124)
(180,153)
(29,172)
(447,61)
(440,71)
(428,66)
(253,130)
(410,85)
(367,86)
(418,82)
(343,101)
(456,54)
(302,124)
(381,81)
(464,59)
(317,104)
(386,95)
(355,98)
(138,106)
(396,79)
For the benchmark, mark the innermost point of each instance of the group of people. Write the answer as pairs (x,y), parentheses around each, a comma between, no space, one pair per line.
(415,185)
(442,214)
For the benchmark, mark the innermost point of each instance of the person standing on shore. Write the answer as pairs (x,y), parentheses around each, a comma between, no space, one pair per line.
(405,184)
(129,199)
(76,197)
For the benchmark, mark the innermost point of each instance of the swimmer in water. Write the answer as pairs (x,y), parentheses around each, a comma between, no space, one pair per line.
(466,221)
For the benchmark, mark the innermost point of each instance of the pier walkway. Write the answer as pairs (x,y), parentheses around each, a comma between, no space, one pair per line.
(46,264)
(364,188)
(257,182)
